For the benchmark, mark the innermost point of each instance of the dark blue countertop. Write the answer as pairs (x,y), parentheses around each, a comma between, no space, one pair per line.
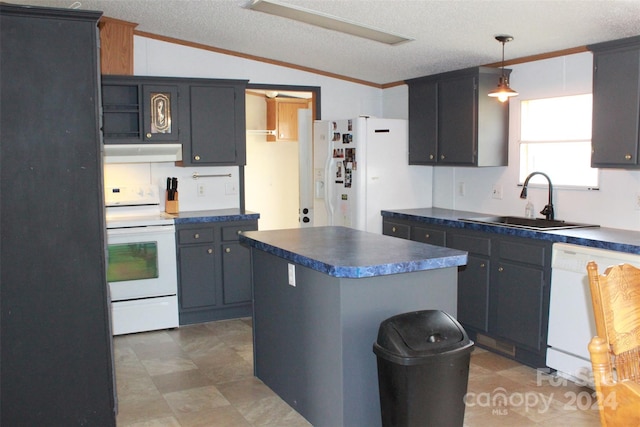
(604,238)
(350,253)
(215,215)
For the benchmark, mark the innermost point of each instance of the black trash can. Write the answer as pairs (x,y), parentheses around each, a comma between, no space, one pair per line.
(423,369)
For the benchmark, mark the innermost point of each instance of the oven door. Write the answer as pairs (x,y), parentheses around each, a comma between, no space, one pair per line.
(141,262)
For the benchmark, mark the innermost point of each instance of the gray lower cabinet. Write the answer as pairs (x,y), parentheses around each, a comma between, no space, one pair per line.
(503,291)
(473,279)
(214,278)
(521,285)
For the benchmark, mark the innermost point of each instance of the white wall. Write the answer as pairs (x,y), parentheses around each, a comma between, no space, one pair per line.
(339,99)
(271,173)
(215,194)
(611,206)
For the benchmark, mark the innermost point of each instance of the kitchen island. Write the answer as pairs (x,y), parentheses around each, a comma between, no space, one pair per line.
(319,296)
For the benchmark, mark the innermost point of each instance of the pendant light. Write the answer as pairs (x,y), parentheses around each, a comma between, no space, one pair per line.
(503,91)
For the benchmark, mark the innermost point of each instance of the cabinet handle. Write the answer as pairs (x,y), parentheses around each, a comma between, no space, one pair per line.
(149,135)
(196,157)
(196,236)
(239,231)
(482,265)
(442,156)
(500,269)
(627,156)
(209,251)
(431,156)
(227,250)
(426,236)
(393,229)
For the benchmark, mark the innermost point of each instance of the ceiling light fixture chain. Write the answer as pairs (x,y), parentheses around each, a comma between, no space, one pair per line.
(503,92)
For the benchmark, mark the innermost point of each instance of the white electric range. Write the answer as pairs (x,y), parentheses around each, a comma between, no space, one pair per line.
(141,261)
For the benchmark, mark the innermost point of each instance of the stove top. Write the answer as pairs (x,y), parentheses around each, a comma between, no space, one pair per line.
(134,207)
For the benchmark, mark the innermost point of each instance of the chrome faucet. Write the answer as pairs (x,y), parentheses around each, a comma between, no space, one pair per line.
(548,209)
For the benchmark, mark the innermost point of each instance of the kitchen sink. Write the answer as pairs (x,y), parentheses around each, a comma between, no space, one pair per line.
(527,223)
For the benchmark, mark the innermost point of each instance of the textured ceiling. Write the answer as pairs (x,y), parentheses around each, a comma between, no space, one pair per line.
(449,34)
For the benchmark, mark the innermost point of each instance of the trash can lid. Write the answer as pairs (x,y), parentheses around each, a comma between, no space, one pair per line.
(421,334)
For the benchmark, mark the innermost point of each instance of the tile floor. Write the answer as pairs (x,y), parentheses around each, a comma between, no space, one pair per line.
(202,375)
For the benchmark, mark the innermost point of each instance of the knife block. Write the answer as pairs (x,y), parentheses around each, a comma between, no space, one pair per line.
(171,206)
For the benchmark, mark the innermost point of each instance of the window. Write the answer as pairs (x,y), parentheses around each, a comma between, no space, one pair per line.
(555,138)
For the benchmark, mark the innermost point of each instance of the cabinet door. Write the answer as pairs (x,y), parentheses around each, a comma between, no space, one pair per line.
(213,125)
(519,293)
(120,112)
(236,276)
(160,113)
(473,292)
(616,107)
(282,115)
(423,123)
(457,104)
(197,276)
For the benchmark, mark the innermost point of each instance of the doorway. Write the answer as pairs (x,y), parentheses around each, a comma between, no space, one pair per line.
(273,173)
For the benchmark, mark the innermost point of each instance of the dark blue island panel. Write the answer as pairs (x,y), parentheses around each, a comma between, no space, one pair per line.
(313,339)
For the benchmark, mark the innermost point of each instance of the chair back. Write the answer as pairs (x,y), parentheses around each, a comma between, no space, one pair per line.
(616,303)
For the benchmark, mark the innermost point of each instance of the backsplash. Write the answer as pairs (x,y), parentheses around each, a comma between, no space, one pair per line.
(194,194)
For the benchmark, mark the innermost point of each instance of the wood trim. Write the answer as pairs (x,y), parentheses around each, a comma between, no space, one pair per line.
(522,60)
(116,46)
(106,19)
(252,93)
(392,84)
(539,57)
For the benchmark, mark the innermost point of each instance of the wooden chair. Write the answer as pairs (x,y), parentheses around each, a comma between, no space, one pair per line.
(615,351)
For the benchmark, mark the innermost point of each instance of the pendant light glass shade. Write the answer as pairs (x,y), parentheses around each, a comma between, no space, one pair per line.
(503,91)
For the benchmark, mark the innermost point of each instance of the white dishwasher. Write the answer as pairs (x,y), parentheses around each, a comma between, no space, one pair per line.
(571,324)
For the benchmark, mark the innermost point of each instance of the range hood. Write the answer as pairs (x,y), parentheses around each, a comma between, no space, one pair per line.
(142,153)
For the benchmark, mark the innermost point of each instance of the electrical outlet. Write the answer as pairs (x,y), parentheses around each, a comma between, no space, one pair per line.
(201,190)
(462,191)
(292,274)
(230,188)
(497,192)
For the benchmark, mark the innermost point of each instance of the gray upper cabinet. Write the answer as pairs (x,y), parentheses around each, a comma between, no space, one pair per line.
(206,116)
(616,104)
(452,121)
(423,122)
(216,125)
(160,118)
(136,110)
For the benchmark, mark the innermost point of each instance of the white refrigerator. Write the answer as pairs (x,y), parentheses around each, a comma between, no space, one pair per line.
(361,168)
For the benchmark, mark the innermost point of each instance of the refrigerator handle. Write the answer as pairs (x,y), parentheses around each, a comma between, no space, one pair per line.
(328,184)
